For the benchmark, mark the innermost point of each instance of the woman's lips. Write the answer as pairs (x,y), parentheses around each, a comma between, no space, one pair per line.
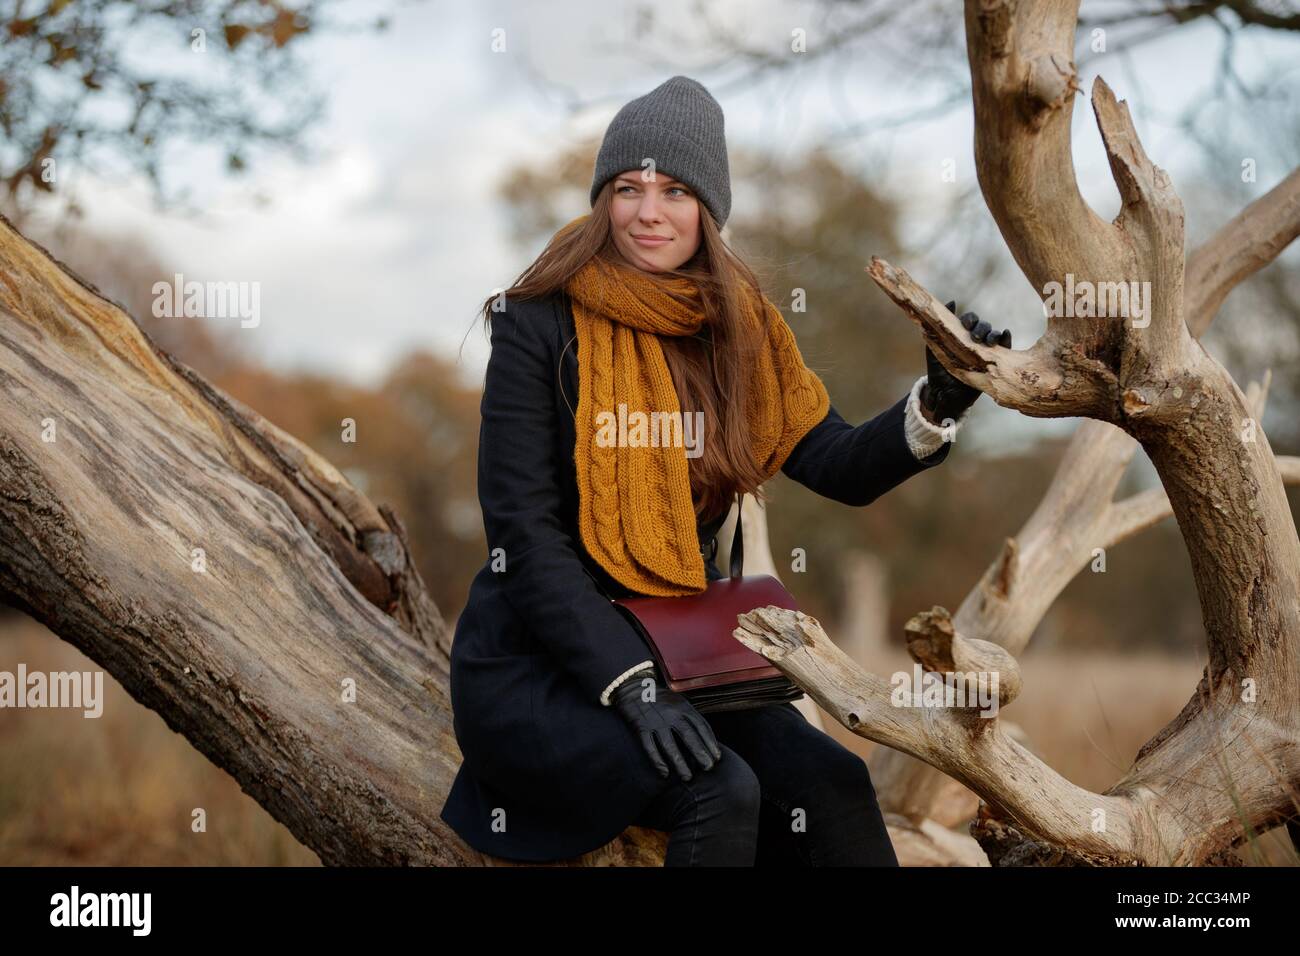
(652,240)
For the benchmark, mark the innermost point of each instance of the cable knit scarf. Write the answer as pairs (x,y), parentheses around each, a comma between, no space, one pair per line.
(636,514)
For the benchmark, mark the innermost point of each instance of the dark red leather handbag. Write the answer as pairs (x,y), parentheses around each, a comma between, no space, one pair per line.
(692,643)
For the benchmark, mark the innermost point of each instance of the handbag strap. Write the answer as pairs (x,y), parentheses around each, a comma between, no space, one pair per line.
(738,541)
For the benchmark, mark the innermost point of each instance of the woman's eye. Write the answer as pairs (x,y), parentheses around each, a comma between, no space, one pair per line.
(670,189)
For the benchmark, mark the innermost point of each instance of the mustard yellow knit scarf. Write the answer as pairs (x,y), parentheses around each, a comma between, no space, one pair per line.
(636,514)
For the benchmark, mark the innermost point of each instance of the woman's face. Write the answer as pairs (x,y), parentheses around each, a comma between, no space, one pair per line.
(664,209)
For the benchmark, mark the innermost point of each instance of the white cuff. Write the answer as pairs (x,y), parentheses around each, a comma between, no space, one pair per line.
(604,695)
(924,437)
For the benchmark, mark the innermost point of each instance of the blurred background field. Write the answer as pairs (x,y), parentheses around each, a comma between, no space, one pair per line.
(119,789)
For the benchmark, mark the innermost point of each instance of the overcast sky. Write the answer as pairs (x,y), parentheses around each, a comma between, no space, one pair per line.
(395,235)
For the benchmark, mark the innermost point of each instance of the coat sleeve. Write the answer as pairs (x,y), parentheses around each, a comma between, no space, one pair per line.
(855,466)
(544,579)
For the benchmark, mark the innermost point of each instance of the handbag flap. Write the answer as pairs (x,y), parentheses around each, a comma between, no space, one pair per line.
(693,633)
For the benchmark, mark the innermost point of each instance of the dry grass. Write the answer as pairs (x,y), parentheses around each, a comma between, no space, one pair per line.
(119,789)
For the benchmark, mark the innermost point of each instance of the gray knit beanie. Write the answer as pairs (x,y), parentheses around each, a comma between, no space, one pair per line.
(679,125)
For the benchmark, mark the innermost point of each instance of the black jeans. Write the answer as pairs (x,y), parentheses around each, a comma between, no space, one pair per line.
(783,794)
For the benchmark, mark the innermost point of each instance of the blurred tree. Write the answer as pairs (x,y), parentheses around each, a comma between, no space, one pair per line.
(115,80)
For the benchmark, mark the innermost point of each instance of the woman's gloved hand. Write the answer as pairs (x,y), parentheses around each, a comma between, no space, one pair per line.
(943,395)
(656,720)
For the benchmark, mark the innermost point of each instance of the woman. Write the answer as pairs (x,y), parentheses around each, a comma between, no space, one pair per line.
(640,304)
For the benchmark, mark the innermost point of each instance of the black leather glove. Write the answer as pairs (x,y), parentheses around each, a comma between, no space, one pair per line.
(944,395)
(655,722)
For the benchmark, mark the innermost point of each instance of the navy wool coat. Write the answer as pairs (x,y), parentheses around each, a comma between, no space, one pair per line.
(549,772)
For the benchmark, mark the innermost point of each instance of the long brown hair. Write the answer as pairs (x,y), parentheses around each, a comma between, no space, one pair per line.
(712,380)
